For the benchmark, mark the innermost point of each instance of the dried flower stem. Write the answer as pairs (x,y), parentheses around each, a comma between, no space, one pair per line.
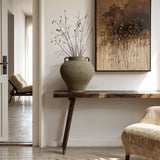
(73,37)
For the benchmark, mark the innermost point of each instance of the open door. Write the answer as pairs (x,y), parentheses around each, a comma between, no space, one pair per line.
(3,72)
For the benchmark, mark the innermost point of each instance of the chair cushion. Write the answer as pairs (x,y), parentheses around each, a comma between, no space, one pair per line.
(16,82)
(21,79)
(20,84)
(143,140)
(26,89)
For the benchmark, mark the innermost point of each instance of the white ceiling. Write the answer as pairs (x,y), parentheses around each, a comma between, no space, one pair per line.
(25,6)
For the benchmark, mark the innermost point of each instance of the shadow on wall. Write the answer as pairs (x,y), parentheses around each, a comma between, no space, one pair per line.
(58,82)
(56,106)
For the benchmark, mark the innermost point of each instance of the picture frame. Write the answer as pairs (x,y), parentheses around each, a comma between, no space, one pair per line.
(123,35)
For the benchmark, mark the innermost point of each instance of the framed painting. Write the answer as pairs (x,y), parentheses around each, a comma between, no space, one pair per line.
(123,35)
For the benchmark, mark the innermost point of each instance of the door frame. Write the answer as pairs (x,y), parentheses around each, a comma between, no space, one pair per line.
(38,72)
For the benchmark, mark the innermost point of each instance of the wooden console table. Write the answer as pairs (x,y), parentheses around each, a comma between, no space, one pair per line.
(97,94)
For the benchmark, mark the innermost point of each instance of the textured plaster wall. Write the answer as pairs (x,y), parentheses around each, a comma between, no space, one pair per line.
(96,122)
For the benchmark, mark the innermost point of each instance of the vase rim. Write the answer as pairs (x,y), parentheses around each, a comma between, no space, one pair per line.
(77,57)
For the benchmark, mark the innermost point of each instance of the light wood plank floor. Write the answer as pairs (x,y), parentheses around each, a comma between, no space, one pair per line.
(20,121)
(29,153)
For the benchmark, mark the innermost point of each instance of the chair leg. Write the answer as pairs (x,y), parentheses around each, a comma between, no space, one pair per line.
(11,95)
(127,157)
(10,99)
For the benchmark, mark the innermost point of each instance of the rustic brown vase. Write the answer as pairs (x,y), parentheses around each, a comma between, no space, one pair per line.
(77,73)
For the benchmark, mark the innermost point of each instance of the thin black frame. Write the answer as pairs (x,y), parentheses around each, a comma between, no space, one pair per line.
(96,45)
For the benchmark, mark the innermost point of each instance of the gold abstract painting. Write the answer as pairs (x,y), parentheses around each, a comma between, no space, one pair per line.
(123,35)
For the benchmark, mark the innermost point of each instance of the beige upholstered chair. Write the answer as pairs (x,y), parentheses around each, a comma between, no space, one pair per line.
(20,86)
(143,138)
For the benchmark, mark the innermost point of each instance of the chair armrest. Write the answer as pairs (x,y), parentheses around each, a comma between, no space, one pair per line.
(151,116)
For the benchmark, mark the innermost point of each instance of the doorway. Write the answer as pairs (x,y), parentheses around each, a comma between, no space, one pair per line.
(20,39)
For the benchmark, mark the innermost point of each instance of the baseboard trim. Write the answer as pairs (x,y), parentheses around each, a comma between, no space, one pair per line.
(88,143)
(95,143)
(29,144)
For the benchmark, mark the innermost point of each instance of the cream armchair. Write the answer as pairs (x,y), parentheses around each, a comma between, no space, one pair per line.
(20,86)
(143,138)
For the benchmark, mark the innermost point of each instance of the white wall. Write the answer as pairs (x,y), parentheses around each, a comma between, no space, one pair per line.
(19,38)
(96,122)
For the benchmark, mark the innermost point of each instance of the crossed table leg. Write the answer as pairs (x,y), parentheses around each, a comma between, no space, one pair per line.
(68,124)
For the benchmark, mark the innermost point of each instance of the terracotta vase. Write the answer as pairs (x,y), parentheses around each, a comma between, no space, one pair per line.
(77,73)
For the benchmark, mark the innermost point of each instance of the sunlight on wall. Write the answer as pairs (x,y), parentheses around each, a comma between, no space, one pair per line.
(151,79)
(28,52)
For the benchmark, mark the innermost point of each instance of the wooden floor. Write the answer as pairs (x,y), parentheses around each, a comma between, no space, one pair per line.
(20,121)
(29,153)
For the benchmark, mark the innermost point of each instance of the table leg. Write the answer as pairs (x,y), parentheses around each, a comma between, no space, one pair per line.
(68,124)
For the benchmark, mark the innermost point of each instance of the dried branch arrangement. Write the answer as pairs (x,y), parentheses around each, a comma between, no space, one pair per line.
(72,35)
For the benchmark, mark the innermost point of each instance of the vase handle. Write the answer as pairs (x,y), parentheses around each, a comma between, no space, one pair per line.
(66,59)
(87,59)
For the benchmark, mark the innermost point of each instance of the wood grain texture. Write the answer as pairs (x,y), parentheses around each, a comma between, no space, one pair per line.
(107,94)
(76,153)
(68,124)
(20,121)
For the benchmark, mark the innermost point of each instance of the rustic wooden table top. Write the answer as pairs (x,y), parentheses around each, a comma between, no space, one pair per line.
(107,94)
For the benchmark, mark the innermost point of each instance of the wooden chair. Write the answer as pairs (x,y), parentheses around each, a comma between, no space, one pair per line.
(20,87)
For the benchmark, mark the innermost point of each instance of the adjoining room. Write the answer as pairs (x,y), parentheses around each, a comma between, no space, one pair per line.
(20,46)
